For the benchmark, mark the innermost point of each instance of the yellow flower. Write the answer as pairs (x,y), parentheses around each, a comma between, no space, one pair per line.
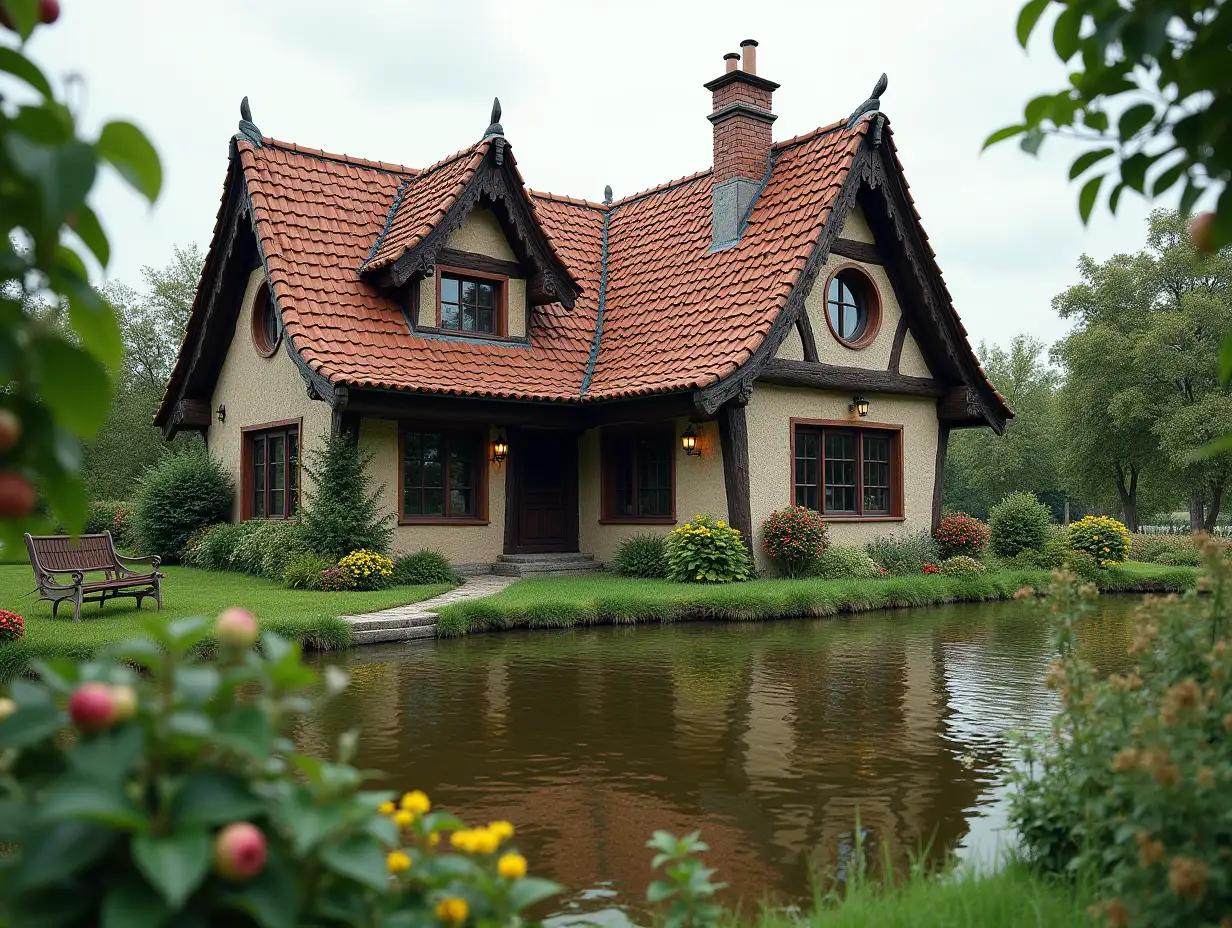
(502,830)
(721,523)
(397,862)
(486,841)
(403,818)
(511,866)
(416,802)
(434,839)
(452,911)
(464,840)
(386,808)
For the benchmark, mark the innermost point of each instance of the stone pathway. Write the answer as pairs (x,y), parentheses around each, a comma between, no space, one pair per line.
(418,620)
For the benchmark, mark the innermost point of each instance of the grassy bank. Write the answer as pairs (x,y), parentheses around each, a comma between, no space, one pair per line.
(304,615)
(603,599)
(1013,897)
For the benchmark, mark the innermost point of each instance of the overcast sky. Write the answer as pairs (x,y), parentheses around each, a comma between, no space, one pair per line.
(594,94)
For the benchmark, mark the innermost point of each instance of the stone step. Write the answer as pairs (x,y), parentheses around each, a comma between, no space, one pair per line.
(526,571)
(552,557)
(371,623)
(380,635)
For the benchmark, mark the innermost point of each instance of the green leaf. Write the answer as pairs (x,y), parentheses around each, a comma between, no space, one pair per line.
(1065,32)
(1088,196)
(14,62)
(1212,449)
(24,14)
(1031,141)
(531,889)
(139,651)
(360,859)
(30,725)
(54,853)
(1134,119)
(132,904)
(192,724)
(1087,159)
(1189,197)
(1096,119)
(271,897)
(658,891)
(73,384)
(1002,134)
(211,797)
(184,633)
(1115,198)
(1133,171)
(91,315)
(248,730)
(1038,108)
(13,821)
(110,755)
(130,153)
(64,174)
(174,865)
(1028,16)
(83,797)
(197,684)
(91,233)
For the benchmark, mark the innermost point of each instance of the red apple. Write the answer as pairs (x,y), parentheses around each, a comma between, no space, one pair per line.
(17,497)
(1202,233)
(49,11)
(10,429)
(239,851)
(92,707)
(124,698)
(237,628)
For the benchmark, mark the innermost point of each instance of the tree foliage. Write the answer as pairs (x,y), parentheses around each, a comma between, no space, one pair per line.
(59,341)
(344,511)
(1150,86)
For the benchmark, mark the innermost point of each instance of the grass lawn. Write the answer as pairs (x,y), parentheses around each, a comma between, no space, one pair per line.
(1013,897)
(602,598)
(307,616)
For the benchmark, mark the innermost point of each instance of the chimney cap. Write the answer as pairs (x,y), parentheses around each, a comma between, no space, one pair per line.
(748,42)
(729,55)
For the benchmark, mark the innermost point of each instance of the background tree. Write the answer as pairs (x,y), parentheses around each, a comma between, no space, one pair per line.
(983,467)
(152,323)
(1158,69)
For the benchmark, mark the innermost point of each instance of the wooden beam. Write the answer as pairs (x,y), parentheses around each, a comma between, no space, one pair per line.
(961,405)
(847,379)
(900,336)
(805,327)
(482,264)
(856,251)
(734,440)
(188,415)
(943,444)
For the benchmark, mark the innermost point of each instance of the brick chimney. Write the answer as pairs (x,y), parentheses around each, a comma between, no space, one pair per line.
(741,117)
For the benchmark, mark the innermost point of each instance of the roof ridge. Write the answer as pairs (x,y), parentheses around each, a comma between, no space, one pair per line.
(565,198)
(666,185)
(811,134)
(450,159)
(387,166)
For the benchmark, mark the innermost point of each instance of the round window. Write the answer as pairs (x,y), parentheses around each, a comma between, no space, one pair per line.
(266,330)
(852,308)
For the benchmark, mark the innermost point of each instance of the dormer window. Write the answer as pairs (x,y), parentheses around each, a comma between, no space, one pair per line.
(470,304)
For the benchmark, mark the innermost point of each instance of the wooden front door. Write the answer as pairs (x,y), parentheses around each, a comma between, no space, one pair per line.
(544,491)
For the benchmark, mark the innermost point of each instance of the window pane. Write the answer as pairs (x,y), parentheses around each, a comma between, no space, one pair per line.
(876,473)
(433,502)
(486,321)
(276,474)
(654,476)
(840,471)
(258,477)
(449,290)
(487,295)
(460,502)
(469,288)
(468,318)
(449,316)
(620,464)
(808,453)
(292,472)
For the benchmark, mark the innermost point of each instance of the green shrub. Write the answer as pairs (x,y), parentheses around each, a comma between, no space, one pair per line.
(263,548)
(1179,557)
(1131,787)
(903,555)
(959,533)
(210,548)
(424,567)
(127,809)
(112,516)
(846,563)
(960,566)
(643,555)
(178,495)
(1020,522)
(344,512)
(795,538)
(1082,565)
(303,571)
(368,570)
(1105,539)
(707,551)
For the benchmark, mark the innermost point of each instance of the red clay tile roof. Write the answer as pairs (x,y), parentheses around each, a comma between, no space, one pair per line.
(676,316)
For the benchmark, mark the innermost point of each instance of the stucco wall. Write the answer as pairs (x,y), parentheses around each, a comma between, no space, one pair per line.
(480,234)
(769,414)
(856,227)
(699,488)
(257,390)
(462,544)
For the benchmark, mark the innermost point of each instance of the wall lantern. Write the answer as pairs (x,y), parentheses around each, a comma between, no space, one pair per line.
(688,441)
(222,413)
(860,406)
(500,448)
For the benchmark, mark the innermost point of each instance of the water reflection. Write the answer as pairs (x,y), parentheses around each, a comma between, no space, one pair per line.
(772,738)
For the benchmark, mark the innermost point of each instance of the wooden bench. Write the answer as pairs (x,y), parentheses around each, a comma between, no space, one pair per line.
(57,556)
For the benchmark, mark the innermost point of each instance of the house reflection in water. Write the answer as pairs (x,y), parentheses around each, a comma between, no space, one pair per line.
(771,738)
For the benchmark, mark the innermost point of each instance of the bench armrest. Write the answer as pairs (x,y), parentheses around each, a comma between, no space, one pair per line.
(153,560)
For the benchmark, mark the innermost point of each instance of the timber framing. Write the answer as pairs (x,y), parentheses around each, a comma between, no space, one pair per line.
(497,186)
(856,251)
(734,442)
(787,373)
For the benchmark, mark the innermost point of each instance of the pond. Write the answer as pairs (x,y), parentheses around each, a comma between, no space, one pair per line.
(770,737)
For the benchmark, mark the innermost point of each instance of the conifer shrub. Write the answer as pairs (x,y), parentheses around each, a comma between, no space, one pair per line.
(424,567)
(343,513)
(1020,522)
(795,538)
(178,495)
(841,562)
(643,555)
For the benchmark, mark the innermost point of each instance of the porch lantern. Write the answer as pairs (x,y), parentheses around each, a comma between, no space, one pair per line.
(222,413)
(500,448)
(860,406)
(688,441)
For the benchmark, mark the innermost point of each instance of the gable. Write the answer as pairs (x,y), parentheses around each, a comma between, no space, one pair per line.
(481,234)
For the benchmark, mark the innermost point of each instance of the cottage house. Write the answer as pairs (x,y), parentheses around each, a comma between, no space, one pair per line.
(538,374)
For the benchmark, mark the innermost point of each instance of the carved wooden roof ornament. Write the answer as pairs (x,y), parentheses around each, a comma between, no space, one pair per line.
(495,129)
(872,104)
(248,128)
(607,195)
